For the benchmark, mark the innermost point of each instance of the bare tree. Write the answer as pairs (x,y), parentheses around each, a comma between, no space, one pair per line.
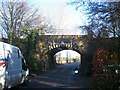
(16,17)
(103,17)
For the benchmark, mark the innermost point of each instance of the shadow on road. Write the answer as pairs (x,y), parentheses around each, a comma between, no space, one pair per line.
(61,77)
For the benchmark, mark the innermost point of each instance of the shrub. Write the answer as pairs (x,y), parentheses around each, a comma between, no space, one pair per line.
(104,77)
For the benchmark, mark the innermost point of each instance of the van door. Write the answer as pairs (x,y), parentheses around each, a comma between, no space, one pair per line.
(16,66)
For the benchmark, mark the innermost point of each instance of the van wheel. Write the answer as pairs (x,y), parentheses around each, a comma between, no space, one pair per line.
(26,81)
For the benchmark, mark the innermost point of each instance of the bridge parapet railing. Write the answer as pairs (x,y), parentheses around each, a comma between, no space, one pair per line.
(68,45)
(55,45)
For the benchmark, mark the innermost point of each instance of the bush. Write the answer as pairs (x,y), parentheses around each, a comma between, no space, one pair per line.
(104,77)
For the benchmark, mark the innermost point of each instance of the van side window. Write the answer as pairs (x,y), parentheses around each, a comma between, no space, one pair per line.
(24,66)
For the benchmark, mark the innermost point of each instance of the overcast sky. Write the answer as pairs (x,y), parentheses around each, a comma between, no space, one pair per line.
(63,16)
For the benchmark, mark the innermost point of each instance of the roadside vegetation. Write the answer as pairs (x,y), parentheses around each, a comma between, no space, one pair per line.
(103,29)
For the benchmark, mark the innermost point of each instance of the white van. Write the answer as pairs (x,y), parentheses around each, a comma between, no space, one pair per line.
(13,68)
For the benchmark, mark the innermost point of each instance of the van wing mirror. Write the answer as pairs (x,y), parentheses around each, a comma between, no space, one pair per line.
(24,65)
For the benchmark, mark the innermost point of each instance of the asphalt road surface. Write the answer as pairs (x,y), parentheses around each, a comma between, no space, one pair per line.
(62,76)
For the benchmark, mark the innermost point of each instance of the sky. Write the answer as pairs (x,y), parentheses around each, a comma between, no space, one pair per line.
(71,53)
(62,16)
